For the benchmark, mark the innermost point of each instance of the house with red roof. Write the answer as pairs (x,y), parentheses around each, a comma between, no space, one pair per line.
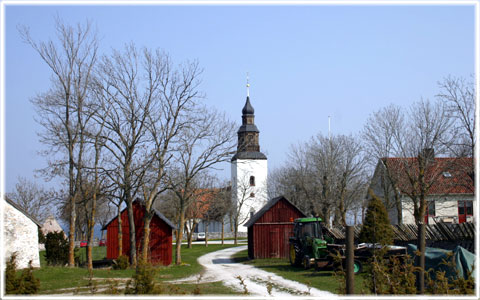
(449,183)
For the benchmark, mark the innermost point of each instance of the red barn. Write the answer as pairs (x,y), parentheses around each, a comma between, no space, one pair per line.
(270,228)
(160,235)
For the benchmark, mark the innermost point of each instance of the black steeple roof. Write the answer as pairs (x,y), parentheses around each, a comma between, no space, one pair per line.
(248,108)
(248,145)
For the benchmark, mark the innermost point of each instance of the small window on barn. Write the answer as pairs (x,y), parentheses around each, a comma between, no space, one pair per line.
(252,180)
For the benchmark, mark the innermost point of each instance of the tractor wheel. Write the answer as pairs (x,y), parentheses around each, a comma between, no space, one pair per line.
(294,255)
(306,262)
(357,267)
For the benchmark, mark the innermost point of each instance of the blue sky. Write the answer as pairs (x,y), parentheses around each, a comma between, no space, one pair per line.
(305,63)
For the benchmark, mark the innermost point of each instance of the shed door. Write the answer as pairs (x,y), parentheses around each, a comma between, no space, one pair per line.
(274,243)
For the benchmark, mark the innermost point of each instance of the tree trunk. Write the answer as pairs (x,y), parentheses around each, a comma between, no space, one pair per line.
(223,228)
(190,234)
(398,205)
(146,236)
(235,233)
(178,244)
(120,234)
(132,238)
(71,234)
(91,224)
(206,234)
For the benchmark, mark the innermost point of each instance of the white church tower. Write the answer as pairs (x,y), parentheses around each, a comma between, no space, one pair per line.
(249,168)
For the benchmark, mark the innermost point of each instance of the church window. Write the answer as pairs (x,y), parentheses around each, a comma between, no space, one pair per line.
(252,180)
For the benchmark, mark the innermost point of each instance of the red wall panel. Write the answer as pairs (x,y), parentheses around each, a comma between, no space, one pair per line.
(269,235)
(160,246)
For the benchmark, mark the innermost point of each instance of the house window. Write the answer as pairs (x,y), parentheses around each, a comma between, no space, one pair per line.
(431,208)
(430,211)
(252,180)
(465,208)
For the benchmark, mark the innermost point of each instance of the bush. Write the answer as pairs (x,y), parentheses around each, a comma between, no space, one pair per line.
(41,237)
(376,228)
(56,247)
(26,284)
(143,279)
(121,263)
(11,281)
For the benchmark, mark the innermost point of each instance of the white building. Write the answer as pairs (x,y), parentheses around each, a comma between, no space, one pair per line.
(20,235)
(249,169)
(51,225)
(451,193)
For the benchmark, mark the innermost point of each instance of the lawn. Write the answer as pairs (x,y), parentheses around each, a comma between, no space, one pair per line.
(58,280)
(322,280)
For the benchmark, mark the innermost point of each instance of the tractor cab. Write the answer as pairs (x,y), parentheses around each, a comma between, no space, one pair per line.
(309,241)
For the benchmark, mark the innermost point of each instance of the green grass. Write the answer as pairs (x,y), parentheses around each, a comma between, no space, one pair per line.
(98,253)
(322,280)
(54,279)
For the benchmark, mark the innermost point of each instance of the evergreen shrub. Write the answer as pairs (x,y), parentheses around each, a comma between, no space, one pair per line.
(56,247)
(143,280)
(121,263)
(376,227)
(26,284)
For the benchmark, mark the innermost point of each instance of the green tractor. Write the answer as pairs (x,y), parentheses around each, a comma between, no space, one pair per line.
(312,246)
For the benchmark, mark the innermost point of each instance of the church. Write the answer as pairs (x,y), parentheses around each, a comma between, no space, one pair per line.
(249,168)
(248,174)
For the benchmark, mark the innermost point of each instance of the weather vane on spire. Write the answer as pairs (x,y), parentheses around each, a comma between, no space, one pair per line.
(248,87)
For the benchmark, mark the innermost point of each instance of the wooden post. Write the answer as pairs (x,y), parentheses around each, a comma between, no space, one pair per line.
(349,256)
(421,259)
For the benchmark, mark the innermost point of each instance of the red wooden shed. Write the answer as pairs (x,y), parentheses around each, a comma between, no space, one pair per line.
(270,228)
(160,235)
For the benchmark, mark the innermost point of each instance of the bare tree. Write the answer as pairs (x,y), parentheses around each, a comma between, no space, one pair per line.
(208,140)
(106,212)
(379,140)
(338,163)
(459,96)
(129,83)
(220,206)
(34,199)
(423,136)
(168,117)
(71,58)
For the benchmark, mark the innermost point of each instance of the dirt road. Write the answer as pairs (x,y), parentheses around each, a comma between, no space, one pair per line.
(220,267)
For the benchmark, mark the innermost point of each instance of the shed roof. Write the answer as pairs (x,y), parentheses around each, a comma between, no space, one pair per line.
(266,207)
(19,208)
(157,213)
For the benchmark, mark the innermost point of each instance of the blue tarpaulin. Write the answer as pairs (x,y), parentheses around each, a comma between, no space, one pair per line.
(434,258)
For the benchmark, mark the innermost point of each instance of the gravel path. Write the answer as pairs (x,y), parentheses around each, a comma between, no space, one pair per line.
(220,267)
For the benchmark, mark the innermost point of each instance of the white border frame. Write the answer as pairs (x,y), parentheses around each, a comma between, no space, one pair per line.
(4,3)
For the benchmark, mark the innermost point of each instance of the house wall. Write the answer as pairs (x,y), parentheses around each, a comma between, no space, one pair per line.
(21,236)
(160,237)
(445,206)
(242,169)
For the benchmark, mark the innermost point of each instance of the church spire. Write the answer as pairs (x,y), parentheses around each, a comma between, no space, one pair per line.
(248,87)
